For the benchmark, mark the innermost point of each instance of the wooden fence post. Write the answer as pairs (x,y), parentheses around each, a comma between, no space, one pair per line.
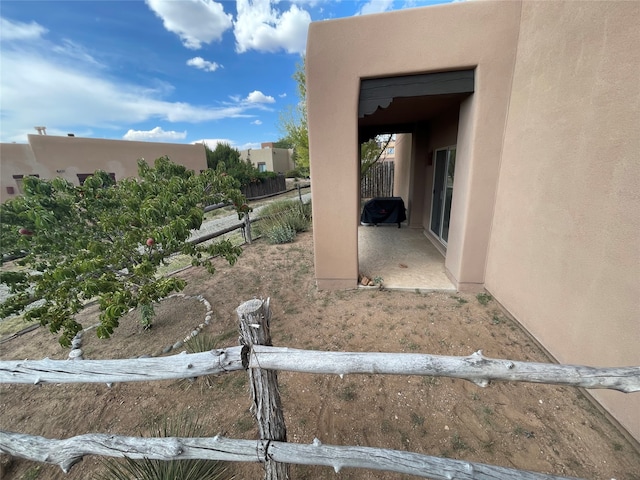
(247,228)
(254,316)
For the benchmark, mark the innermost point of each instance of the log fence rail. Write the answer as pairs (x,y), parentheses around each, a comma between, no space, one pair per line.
(262,361)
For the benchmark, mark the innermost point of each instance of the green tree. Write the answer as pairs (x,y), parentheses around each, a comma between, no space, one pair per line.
(106,240)
(283,143)
(372,151)
(226,159)
(293,122)
(223,154)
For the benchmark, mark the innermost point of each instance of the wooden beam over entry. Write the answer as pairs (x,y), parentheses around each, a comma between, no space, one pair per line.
(379,92)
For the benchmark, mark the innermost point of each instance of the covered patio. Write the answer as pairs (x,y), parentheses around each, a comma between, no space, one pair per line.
(403,258)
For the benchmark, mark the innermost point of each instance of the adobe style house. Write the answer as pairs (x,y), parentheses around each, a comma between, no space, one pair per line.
(75,158)
(517,154)
(269,158)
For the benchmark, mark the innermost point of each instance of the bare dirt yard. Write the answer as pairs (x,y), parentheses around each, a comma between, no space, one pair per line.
(526,426)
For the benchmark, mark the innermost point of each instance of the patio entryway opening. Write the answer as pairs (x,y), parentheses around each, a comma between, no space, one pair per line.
(402,257)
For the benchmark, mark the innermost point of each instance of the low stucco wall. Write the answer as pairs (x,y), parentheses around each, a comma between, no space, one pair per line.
(56,156)
(564,255)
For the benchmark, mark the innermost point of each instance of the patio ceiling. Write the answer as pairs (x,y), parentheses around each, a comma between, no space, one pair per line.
(395,104)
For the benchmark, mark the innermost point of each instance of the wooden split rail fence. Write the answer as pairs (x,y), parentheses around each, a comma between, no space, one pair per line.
(245,224)
(262,361)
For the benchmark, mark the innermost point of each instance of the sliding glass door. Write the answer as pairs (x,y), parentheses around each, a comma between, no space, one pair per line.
(444,168)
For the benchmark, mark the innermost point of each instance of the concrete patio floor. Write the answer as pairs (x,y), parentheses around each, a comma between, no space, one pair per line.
(403,257)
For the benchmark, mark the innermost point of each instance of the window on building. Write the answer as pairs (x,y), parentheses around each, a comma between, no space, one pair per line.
(20,178)
(391,151)
(262,167)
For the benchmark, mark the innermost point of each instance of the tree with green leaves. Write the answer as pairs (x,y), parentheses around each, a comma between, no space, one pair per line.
(293,122)
(372,151)
(224,154)
(105,240)
(226,159)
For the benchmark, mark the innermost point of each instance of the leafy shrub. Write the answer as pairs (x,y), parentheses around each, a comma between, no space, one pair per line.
(294,174)
(280,233)
(484,298)
(147,469)
(282,219)
(289,212)
(147,312)
(227,159)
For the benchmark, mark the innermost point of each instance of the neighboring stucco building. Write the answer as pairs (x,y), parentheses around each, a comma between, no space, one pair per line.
(517,154)
(269,158)
(74,158)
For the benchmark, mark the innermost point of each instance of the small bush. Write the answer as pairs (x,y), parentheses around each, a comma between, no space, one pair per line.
(282,219)
(293,174)
(484,298)
(281,233)
(147,312)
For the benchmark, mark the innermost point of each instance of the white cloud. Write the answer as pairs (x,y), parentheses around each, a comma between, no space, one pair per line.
(58,85)
(202,64)
(257,122)
(157,134)
(194,21)
(282,95)
(72,50)
(247,146)
(375,6)
(258,97)
(212,142)
(261,27)
(14,30)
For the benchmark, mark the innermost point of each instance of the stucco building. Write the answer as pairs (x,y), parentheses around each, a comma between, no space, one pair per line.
(517,154)
(74,158)
(269,158)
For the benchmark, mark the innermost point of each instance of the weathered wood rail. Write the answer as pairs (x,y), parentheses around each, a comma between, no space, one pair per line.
(475,368)
(70,451)
(262,361)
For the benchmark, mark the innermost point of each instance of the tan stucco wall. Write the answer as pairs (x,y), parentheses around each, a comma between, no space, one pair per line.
(402,166)
(15,159)
(55,156)
(340,53)
(442,133)
(546,193)
(275,159)
(564,255)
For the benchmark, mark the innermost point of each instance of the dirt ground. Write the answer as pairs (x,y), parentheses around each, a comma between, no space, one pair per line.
(526,426)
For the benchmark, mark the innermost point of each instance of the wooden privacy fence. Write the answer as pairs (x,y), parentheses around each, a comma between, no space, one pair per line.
(265,187)
(262,360)
(378,181)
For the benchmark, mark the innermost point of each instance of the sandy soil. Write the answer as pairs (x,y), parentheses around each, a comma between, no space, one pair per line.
(527,426)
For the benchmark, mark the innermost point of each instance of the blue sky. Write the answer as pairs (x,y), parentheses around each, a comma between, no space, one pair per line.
(179,71)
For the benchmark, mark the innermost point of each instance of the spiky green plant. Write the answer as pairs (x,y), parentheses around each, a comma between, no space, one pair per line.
(147,469)
(201,343)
